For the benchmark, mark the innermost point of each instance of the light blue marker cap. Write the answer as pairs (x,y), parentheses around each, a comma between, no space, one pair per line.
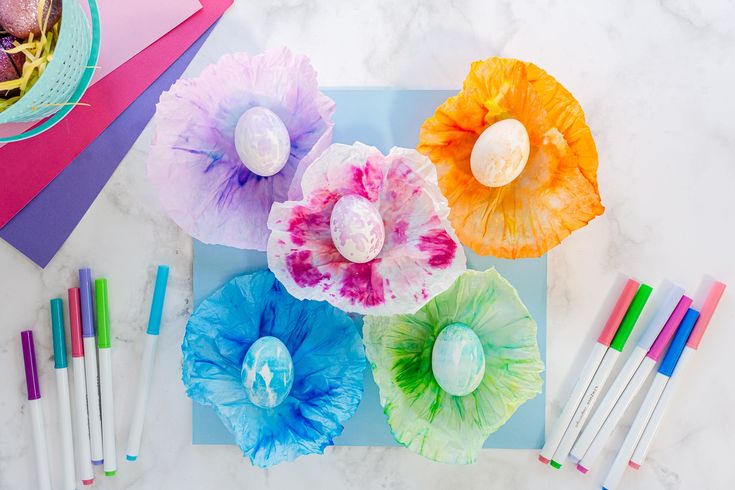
(677,345)
(57,330)
(661,316)
(159,294)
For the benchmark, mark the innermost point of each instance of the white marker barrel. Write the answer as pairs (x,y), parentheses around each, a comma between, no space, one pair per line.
(84,456)
(67,441)
(93,400)
(641,450)
(583,381)
(640,376)
(141,401)
(606,404)
(39,442)
(108,412)
(636,429)
(584,409)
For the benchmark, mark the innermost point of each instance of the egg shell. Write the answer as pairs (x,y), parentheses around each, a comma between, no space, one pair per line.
(500,153)
(262,141)
(267,372)
(357,229)
(457,360)
(20,17)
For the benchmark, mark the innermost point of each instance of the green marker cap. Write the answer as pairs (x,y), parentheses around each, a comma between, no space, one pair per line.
(103,314)
(631,317)
(57,331)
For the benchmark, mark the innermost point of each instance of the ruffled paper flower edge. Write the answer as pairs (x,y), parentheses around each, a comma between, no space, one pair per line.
(300,230)
(326,391)
(424,418)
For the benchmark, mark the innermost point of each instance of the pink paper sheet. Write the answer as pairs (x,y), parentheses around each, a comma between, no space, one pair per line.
(127,27)
(28,166)
(130,26)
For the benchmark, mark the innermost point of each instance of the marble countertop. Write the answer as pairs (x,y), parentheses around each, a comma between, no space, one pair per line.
(655,79)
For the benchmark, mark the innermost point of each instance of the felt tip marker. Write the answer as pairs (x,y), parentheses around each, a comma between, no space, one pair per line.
(588,371)
(147,364)
(603,372)
(81,417)
(104,348)
(90,366)
(34,402)
(707,310)
(646,340)
(62,388)
(673,324)
(614,475)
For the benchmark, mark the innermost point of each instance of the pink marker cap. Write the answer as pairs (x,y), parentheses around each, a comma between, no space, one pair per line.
(659,346)
(618,312)
(705,314)
(75,320)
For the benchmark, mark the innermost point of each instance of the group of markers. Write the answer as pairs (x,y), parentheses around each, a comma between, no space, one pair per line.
(677,324)
(94,419)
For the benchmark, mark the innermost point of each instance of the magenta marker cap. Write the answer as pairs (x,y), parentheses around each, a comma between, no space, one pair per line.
(85,289)
(658,347)
(657,323)
(29,359)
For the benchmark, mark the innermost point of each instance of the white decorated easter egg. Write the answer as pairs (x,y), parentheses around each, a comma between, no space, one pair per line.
(500,153)
(357,229)
(267,372)
(262,141)
(457,360)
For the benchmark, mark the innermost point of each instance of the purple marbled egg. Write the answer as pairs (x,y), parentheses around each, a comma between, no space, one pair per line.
(20,17)
(11,65)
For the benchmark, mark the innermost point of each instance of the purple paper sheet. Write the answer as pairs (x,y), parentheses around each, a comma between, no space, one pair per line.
(42,227)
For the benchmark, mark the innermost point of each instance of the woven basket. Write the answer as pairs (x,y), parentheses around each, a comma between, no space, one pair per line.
(67,75)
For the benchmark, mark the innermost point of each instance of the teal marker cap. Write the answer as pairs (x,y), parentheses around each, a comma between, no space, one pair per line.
(631,317)
(103,314)
(57,331)
(159,294)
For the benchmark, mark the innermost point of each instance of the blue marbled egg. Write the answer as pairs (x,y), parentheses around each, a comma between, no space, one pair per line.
(457,360)
(267,372)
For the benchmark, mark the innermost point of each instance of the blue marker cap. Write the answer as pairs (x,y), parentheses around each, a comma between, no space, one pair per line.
(159,294)
(57,331)
(677,345)
(85,287)
(662,315)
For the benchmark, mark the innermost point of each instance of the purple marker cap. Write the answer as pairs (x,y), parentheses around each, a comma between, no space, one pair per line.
(85,287)
(658,347)
(29,359)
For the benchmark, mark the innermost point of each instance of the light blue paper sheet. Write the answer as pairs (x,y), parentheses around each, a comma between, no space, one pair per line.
(382,118)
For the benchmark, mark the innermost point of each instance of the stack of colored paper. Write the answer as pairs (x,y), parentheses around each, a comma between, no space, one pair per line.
(82,152)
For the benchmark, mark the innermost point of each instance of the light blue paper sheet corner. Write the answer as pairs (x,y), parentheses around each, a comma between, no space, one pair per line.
(382,118)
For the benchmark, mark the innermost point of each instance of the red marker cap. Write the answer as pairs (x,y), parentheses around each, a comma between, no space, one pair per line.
(75,320)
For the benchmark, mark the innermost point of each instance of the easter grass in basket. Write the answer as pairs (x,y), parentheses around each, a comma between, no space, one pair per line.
(38,52)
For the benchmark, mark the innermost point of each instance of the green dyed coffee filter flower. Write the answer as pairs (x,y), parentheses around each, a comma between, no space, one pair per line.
(442,394)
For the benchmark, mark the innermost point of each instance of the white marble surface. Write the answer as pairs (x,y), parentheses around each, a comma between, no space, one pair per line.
(656,81)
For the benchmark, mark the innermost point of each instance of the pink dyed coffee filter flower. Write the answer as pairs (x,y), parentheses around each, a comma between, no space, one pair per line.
(233,141)
(370,235)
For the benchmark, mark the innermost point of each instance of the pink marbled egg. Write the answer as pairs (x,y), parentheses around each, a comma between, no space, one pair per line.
(357,229)
(20,17)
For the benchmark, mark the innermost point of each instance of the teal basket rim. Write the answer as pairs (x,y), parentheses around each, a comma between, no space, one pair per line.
(81,88)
